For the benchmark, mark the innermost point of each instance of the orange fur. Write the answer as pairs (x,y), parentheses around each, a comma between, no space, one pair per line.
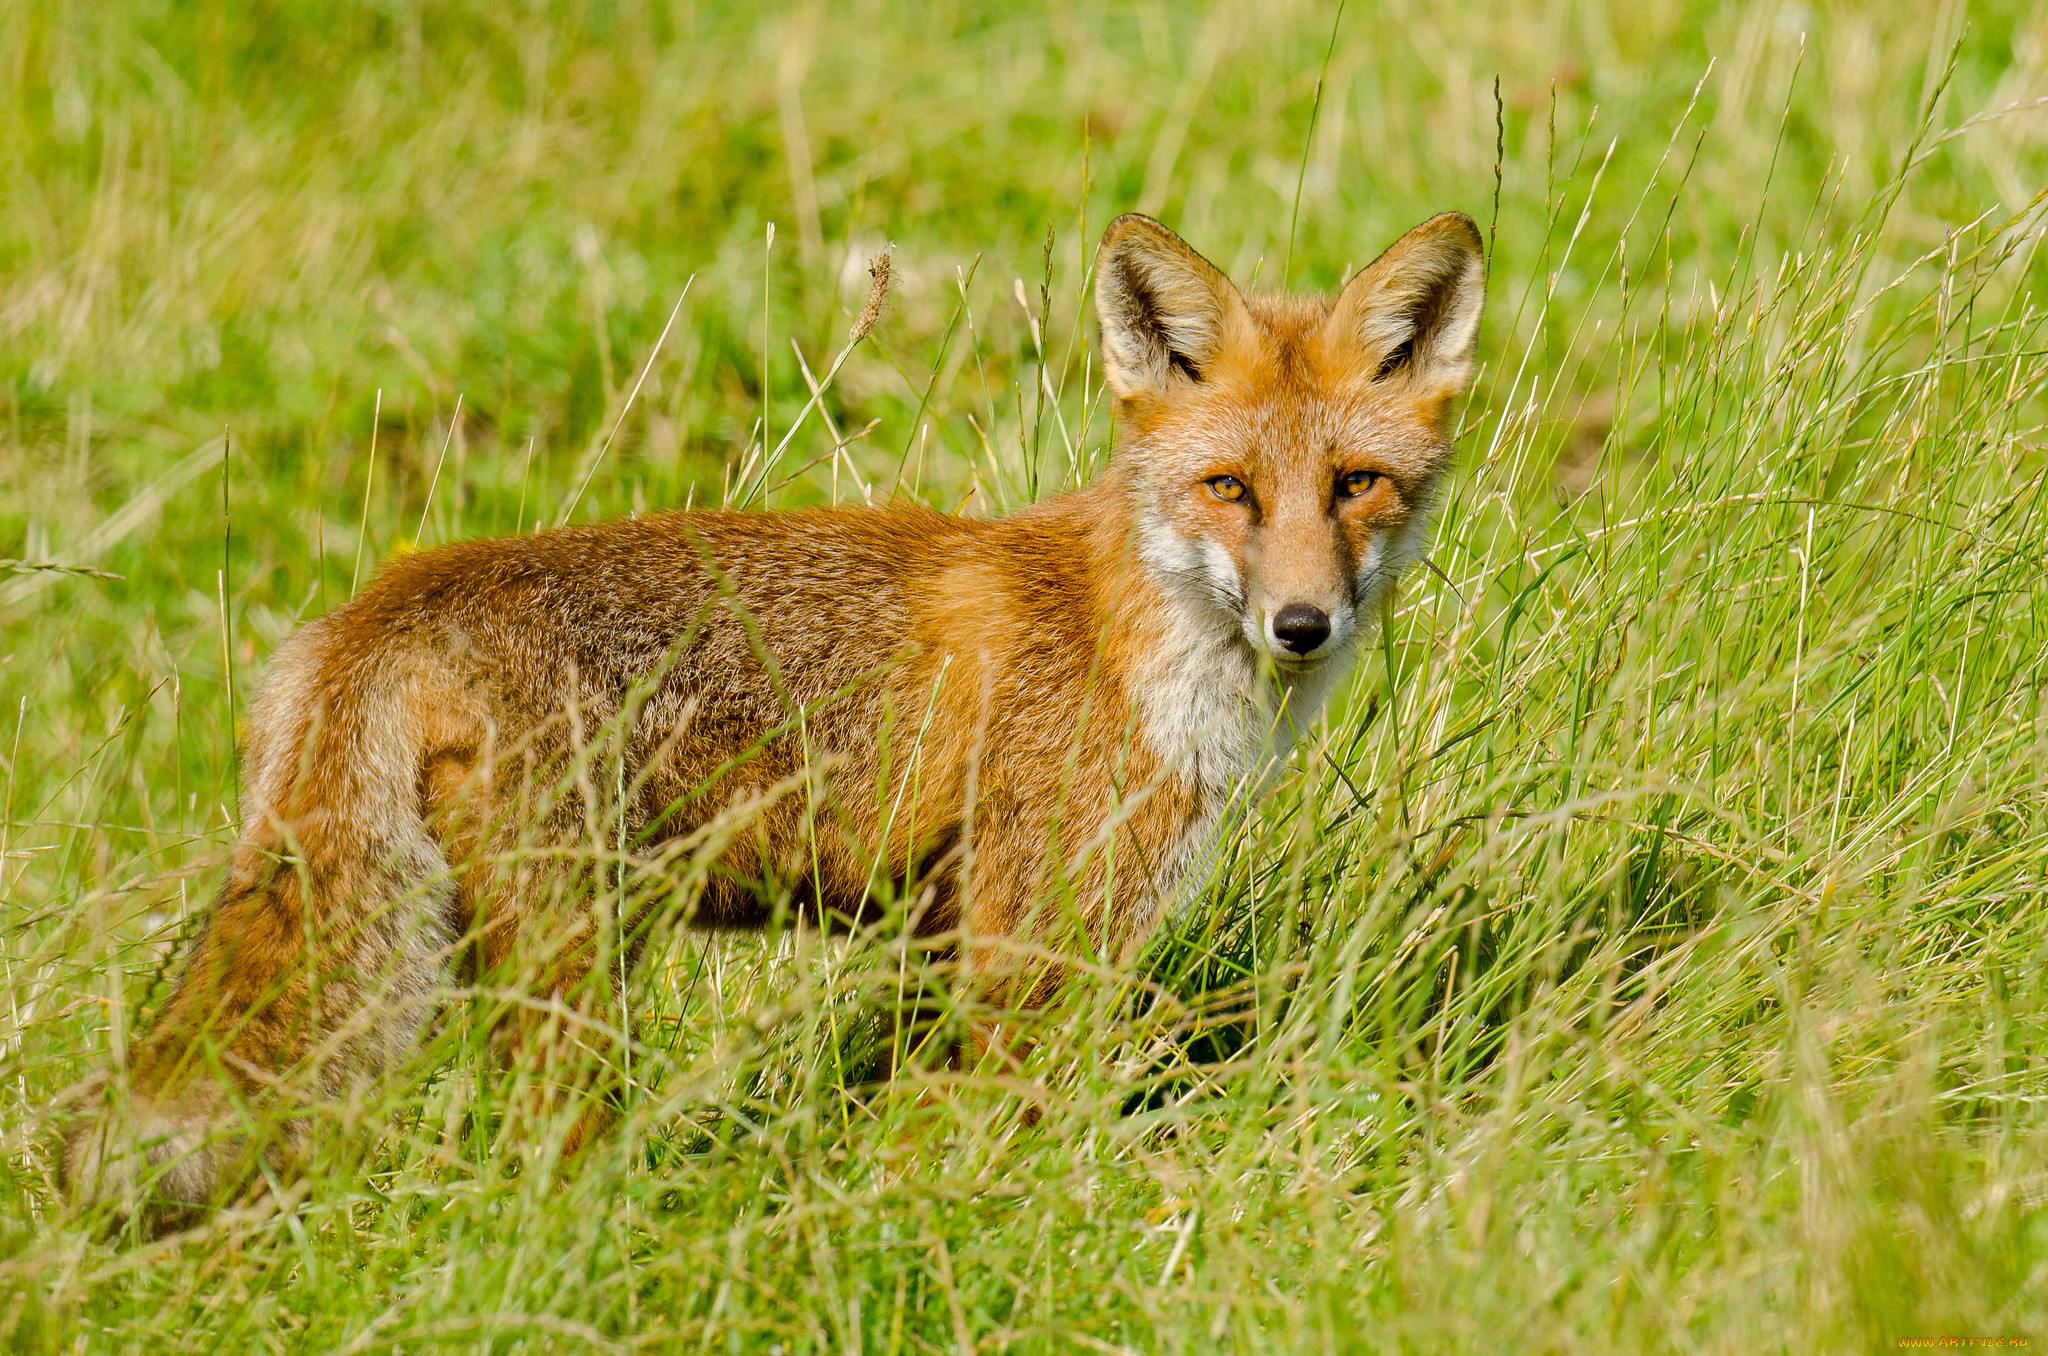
(813,710)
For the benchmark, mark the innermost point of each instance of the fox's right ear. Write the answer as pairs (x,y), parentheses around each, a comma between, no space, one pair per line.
(1411,316)
(1163,308)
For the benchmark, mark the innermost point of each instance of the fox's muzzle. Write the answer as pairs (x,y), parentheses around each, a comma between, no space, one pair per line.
(1301,628)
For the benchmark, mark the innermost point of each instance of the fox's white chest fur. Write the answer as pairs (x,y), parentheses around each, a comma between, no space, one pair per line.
(1208,708)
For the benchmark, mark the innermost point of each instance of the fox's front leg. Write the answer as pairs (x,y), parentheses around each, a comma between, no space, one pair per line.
(1032,911)
(1019,927)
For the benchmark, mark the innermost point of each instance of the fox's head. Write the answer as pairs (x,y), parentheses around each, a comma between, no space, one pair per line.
(1284,451)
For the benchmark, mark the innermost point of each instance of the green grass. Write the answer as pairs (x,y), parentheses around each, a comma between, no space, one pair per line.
(1649,952)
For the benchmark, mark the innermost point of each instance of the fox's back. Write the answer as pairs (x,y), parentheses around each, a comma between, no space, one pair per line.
(730,606)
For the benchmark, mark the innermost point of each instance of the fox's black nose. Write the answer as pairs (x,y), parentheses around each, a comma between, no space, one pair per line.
(1301,627)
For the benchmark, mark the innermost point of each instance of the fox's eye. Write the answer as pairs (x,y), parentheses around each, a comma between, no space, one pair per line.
(1356,483)
(1227,487)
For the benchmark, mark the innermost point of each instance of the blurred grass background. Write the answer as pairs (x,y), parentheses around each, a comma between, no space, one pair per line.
(1647,954)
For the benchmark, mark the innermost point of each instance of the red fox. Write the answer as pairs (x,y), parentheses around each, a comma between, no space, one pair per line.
(806,712)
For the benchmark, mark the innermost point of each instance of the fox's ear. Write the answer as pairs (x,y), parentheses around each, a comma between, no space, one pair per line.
(1163,308)
(1413,313)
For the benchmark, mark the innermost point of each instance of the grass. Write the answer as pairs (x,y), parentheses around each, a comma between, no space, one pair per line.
(1647,953)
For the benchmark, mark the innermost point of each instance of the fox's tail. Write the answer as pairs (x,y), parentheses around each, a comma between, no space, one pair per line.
(317,964)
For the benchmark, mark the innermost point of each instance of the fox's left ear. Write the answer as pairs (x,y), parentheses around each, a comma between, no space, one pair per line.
(1412,316)
(1165,310)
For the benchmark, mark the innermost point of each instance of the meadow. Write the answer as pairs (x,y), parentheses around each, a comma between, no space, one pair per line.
(1648,951)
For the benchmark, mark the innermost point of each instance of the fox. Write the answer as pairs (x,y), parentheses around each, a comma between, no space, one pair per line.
(810,713)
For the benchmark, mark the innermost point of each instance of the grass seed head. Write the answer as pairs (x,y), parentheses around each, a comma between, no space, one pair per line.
(879,273)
